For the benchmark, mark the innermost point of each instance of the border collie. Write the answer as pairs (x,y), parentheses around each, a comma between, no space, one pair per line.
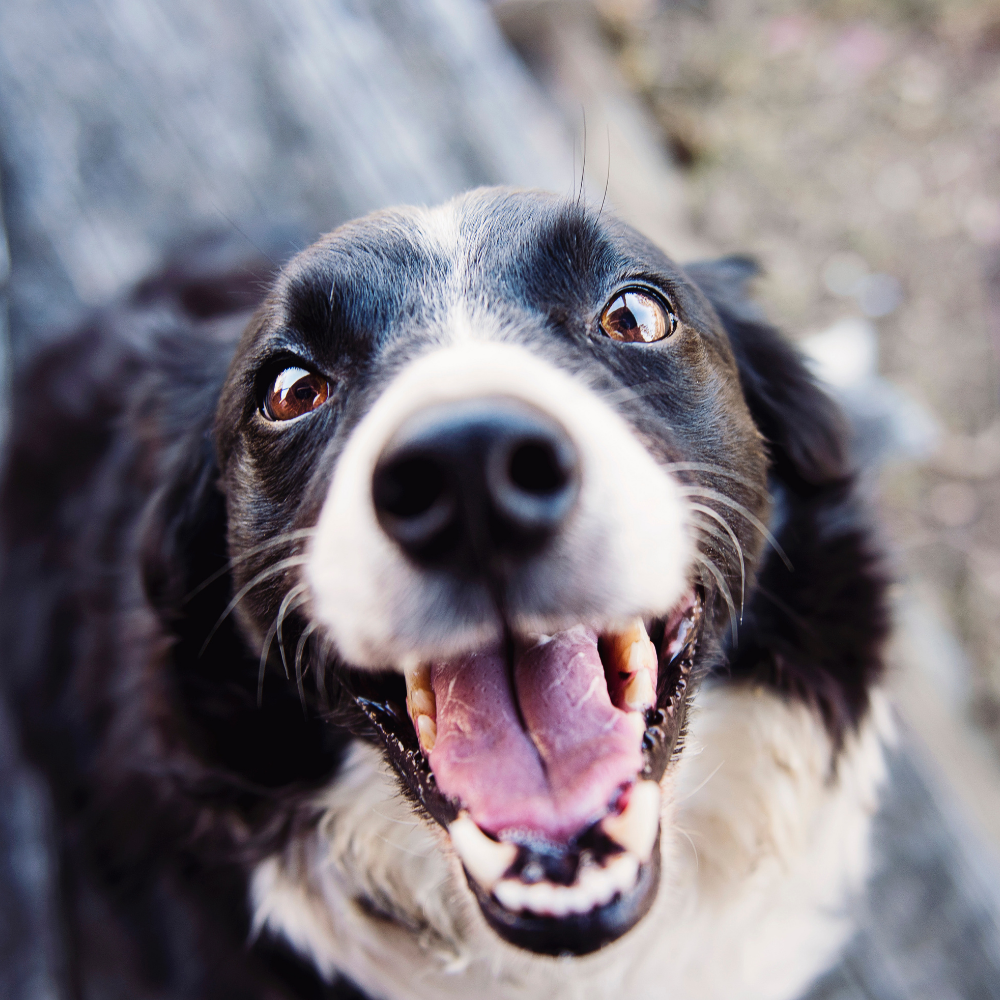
(489,614)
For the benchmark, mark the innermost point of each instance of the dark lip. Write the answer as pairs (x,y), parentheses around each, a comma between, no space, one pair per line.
(382,700)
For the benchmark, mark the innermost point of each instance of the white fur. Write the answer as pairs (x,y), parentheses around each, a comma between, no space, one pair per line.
(765,845)
(440,226)
(381,610)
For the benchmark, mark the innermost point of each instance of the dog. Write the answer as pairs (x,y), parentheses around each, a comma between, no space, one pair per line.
(481,606)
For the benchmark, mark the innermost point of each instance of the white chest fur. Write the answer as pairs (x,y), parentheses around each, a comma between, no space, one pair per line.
(765,845)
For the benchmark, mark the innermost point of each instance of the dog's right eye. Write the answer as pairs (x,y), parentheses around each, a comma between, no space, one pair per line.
(294,393)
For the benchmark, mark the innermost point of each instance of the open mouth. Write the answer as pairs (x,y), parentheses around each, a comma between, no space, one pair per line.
(542,757)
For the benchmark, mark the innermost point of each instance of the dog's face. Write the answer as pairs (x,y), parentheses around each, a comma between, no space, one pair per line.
(489,470)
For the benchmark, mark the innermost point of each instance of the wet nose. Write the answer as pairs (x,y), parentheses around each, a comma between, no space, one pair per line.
(476,486)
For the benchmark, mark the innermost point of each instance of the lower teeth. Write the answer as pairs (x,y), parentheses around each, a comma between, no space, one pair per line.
(595,886)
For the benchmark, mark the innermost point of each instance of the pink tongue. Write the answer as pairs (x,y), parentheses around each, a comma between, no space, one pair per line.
(559,776)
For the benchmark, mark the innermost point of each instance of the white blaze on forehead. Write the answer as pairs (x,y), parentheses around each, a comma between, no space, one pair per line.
(625,549)
(440,227)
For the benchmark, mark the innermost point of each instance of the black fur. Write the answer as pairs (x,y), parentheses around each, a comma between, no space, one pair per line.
(169,775)
(816,624)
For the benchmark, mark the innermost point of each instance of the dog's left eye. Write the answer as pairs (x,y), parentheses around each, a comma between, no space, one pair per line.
(637,317)
(295,392)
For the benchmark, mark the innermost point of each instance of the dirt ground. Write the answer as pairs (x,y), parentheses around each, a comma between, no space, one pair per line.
(853,147)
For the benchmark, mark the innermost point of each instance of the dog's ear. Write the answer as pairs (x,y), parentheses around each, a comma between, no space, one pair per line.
(184,531)
(246,732)
(814,627)
(804,429)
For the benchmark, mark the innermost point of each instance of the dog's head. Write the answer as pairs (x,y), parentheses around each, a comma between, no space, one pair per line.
(490,469)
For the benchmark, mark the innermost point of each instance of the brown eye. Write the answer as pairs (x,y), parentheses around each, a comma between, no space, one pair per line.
(294,392)
(637,317)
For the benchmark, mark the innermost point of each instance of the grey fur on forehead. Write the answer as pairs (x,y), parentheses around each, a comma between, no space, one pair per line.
(501,227)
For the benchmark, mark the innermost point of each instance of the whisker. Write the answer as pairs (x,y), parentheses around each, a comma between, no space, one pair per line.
(721,538)
(718,471)
(278,567)
(321,681)
(607,178)
(412,824)
(288,536)
(268,639)
(716,516)
(286,606)
(701,784)
(306,632)
(710,494)
(630,392)
(405,850)
(724,590)
(697,860)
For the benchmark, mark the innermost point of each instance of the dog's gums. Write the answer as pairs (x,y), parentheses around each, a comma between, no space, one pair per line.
(542,758)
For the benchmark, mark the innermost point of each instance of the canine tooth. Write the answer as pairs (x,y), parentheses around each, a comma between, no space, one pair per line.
(420,700)
(485,860)
(620,643)
(418,675)
(635,828)
(427,732)
(633,632)
(639,692)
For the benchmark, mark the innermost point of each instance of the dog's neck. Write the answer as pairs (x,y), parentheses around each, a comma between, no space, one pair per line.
(764,847)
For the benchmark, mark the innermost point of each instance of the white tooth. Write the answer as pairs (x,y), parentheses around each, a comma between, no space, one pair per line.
(601,884)
(623,873)
(484,859)
(543,897)
(512,895)
(639,693)
(427,732)
(636,827)
(595,886)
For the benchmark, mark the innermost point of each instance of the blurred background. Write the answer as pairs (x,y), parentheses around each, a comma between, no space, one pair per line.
(851,146)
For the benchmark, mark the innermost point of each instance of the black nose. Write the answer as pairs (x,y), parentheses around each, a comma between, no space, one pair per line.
(477,485)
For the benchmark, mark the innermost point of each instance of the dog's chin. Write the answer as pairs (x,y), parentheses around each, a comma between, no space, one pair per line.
(542,758)
(574,933)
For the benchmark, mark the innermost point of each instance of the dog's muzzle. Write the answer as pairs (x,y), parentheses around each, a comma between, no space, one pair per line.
(520,558)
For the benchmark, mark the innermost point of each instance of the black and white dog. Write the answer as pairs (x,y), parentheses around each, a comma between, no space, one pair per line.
(493,618)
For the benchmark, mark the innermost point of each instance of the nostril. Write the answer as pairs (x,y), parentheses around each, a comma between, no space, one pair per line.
(535,467)
(409,487)
(532,483)
(415,504)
